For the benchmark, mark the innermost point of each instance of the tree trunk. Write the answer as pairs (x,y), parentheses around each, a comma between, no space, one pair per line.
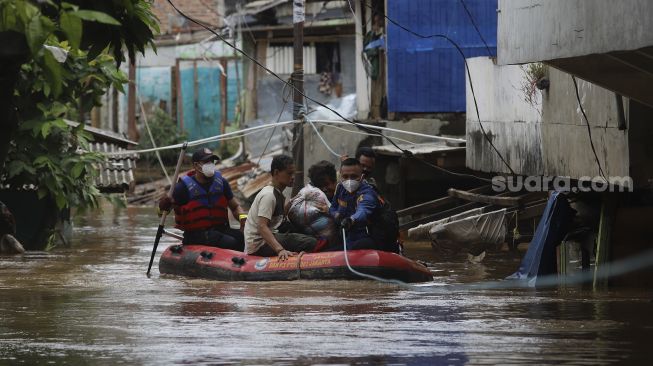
(13,53)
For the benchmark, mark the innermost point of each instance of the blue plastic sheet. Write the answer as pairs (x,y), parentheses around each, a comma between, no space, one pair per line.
(540,259)
(428,75)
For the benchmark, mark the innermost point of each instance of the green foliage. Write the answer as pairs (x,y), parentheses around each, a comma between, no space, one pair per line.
(137,30)
(47,152)
(532,73)
(96,26)
(165,132)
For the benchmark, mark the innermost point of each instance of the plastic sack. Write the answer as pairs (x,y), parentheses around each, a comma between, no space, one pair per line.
(306,216)
(475,233)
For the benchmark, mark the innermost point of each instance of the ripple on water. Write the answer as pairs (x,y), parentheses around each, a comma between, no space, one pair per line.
(93,302)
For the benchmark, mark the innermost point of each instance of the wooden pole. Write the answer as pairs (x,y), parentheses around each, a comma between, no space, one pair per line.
(132,130)
(180,99)
(298,98)
(603,245)
(223,97)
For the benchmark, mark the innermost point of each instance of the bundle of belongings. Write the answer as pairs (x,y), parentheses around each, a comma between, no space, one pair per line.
(309,214)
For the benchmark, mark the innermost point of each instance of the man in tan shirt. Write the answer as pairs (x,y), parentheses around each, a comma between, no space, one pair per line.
(267,212)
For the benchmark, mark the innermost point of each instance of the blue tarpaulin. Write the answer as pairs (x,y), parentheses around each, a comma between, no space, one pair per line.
(540,259)
(427,75)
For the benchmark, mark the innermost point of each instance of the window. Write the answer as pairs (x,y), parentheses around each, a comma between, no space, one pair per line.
(318,57)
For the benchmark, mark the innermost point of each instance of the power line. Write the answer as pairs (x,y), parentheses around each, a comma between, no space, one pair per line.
(471,18)
(222,137)
(283,107)
(322,139)
(370,134)
(406,153)
(589,130)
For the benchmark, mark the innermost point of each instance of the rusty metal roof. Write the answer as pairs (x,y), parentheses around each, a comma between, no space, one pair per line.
(253,186)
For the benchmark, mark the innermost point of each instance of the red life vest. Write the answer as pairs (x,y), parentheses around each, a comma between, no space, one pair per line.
(204,210)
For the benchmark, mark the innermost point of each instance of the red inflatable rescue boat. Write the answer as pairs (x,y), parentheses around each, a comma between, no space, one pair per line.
(228,265)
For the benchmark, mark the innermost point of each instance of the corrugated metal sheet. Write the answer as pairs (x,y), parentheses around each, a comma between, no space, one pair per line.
(280,59)
(427,75)
(116,174)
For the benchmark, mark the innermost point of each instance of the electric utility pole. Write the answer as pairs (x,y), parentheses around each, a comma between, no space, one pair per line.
(298,98)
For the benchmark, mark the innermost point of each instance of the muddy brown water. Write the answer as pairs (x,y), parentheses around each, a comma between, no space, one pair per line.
(92,304)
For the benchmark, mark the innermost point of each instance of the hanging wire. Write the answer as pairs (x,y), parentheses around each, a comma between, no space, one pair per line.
(469,76)
(478,31)
(365,275)
(589,129)
(369,134)
(405,152)
(283,107)
(390,129)
(631,264)
(149,132)
(222,137)
(322,139)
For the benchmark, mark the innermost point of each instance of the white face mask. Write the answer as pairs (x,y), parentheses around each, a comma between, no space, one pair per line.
(351,185)
(208,170)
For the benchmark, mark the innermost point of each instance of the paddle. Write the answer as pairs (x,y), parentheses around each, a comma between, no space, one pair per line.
(160,231)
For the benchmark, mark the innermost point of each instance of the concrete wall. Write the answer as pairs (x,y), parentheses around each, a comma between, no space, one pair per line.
(565,140)
(554,142)
(512,124)
(640,135)
(338,140)
(539,30)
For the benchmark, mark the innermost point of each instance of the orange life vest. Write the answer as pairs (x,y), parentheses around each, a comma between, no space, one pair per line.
(205,209)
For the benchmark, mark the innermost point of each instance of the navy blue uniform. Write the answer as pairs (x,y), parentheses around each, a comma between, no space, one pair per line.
(361,206)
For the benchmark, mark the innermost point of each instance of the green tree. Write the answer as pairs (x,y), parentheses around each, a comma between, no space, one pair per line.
(106,26)
(41,86)
(47,151)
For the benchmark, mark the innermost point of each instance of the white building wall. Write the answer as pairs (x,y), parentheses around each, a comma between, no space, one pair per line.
(549,139)
(540,30)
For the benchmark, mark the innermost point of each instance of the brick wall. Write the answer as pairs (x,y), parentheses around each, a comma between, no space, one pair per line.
(170,22)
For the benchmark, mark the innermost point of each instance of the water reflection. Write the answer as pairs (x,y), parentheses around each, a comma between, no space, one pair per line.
(92,303)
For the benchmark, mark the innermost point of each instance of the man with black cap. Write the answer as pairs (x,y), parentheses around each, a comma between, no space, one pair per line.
(200,200)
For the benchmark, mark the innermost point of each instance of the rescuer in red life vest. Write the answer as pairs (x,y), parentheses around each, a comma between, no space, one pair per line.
(200,200)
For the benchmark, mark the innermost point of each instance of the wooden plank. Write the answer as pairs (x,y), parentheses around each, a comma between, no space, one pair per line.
(132,130)
(223,97)
(173,94)
(180,99)
(196,95)
(435,204)
(491,200)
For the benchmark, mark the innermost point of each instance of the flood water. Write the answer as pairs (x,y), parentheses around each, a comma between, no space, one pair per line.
(92,304)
